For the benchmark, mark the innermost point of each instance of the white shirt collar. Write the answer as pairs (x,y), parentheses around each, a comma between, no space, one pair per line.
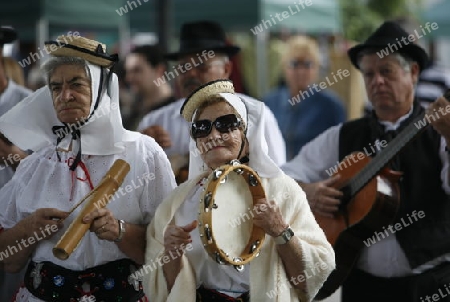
(394,125)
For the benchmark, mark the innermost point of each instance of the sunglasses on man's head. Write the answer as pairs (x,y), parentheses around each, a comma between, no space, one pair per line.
(223,124)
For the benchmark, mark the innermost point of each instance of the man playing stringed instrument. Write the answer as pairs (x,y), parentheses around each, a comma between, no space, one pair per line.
(411,262)
(74,127)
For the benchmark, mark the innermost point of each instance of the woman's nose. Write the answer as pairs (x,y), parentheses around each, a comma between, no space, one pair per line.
(66,95)
(215,133)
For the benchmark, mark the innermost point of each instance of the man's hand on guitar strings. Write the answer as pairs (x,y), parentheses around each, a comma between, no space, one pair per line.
(439,117)
(322,197)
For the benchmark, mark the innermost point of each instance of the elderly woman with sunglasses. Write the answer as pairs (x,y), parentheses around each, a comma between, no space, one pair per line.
(295,258)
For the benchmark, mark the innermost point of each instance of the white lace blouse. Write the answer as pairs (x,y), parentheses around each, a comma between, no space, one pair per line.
(42,181)
(210,274)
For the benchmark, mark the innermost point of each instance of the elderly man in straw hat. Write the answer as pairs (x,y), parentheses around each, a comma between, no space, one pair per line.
(410,262)
(203,56)
(74,127)
(10,155)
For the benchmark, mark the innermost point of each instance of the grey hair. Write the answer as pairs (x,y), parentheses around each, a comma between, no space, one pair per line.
(403,60)
(224,57)
(54,62)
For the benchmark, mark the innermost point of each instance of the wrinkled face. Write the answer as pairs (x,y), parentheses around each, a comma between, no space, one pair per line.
(300,72)
(390,88)
(71,93)
(215,68)
(139,74)
(218,148)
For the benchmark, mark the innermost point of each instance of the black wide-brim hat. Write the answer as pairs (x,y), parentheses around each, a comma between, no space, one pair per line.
(391,34)
(202,35)
(7,35)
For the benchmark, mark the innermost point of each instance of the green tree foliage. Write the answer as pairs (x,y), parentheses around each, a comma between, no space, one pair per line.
(361,17)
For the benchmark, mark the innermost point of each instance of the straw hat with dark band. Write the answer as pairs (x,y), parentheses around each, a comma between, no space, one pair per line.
(90,50)
(202,94)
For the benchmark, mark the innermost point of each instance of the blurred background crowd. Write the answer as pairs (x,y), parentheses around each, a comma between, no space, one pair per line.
(141,31)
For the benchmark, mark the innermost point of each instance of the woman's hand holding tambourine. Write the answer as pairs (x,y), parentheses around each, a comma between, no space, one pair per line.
(178,237)
(267,215)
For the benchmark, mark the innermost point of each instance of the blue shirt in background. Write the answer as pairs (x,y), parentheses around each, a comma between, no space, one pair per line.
(301,122)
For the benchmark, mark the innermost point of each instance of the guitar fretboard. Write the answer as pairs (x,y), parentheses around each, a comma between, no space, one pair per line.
(385,155)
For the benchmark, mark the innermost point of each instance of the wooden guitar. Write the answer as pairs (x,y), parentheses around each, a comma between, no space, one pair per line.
(180,167)
(371,201)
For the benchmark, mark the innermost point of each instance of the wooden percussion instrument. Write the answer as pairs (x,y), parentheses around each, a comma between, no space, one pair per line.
(97,198)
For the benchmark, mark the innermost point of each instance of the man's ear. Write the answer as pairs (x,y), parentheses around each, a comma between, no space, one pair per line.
(415,70)
(160,69)
(228,68)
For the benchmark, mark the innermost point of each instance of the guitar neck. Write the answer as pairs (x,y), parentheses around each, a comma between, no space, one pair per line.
(385,155)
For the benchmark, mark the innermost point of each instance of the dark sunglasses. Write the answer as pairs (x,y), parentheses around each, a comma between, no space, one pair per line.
(223,124)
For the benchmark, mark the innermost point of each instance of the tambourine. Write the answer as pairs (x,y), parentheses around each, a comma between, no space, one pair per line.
(226,215)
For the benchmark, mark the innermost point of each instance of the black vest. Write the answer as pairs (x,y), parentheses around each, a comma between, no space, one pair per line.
(421,187)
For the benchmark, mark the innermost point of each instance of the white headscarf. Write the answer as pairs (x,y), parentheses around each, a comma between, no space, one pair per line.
(29,124)
(253,114)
